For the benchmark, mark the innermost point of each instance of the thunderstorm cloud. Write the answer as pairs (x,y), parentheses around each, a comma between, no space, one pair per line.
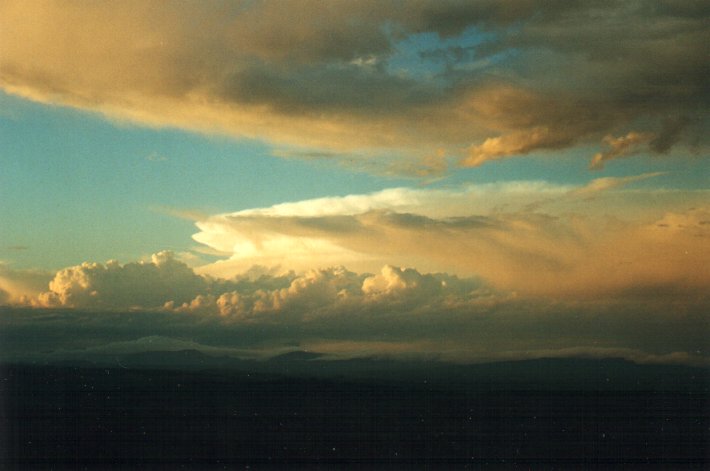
(473,80)
(488,284)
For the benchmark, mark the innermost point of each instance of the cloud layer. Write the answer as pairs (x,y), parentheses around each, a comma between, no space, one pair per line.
(397,312)
(591,240)
(504,271)
(478,81)
(116,286)
(19,285)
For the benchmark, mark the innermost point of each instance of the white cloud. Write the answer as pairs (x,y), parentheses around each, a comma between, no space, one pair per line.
(590,239)
(309,294)
(397,312)
(400,312)
(400,281)
(470,273)
(394,198)
(327,292)
(116,286)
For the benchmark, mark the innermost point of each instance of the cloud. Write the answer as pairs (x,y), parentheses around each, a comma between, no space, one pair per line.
(397,312)
(623,146)
(18,285)
(116,286)
(394,280)
(583,278)
(155,157)
(165,284)
(590,240)
(364,79)
(346,205)
(327,292)
(637,142)
(607,183)
(306,295)
(517,143)
(694,221)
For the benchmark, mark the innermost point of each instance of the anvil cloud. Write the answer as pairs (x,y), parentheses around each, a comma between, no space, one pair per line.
(583,241)
(626,278)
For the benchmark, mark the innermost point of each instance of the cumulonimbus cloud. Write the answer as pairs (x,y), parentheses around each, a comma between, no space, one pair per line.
(568,278)
(535,76)
(396,312)
(533,238)
(116,286)
(165,283)
(571,243)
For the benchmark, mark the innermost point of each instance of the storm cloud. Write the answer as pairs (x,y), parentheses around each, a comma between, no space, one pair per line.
(476,81)
(395,313)
(468,274)
(597,239)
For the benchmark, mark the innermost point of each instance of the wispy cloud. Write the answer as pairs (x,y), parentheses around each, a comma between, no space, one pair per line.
(155,157)
(19,285)
(608,183)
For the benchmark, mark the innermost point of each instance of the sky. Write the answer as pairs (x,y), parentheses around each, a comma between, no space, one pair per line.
(464,180)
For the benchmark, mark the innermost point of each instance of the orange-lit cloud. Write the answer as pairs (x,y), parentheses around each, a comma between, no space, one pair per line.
(533,238)
(517,143)
(18,285)
(468,274)
(396,312)
(623,146)
(571,245)
(317,79)
(116,286)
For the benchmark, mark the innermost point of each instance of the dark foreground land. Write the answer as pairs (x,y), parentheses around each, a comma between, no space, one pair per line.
(68,417)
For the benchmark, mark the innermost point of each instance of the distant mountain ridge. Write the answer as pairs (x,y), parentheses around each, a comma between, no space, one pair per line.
(544,374)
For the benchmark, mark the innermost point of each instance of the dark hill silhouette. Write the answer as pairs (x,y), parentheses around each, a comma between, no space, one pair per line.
(536,374)
(189,410)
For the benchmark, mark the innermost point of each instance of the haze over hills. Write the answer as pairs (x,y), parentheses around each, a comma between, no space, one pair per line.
(534,374)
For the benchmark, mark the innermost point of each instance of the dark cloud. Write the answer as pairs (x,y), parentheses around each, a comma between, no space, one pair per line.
(541,75)
(455,319)
(669,134)
(335,89)
(637,291)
